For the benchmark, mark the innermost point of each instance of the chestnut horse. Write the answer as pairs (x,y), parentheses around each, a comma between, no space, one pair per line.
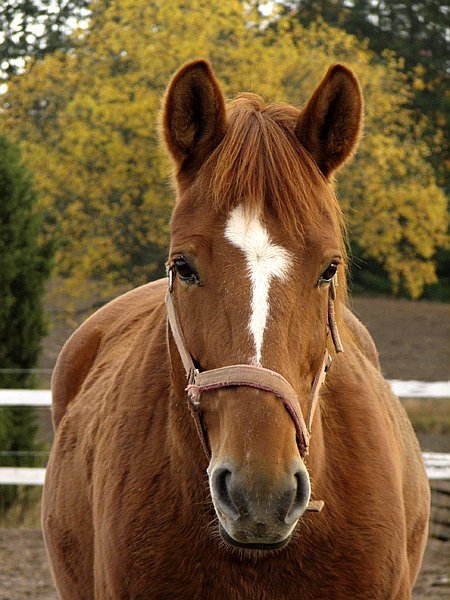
(197,453)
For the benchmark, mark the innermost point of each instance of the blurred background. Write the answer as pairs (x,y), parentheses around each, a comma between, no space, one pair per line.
(86,197)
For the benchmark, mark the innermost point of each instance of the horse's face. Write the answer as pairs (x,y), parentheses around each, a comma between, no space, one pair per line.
(246,295)
(247,290)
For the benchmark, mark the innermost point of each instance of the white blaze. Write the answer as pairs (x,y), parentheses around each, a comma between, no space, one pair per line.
(265,261)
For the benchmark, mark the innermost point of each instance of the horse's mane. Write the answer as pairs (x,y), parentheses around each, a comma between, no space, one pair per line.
(261,164)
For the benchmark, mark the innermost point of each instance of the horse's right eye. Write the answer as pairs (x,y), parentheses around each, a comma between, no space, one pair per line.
(328,274)
(185,272)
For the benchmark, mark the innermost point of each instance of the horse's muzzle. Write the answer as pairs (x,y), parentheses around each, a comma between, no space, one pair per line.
(259,511)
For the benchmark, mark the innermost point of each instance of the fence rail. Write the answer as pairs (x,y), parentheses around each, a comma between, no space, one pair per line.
(437,465)
(25,398)
(420,389)
(403,389)
(21,476)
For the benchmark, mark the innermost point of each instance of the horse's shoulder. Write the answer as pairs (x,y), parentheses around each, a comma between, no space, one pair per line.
(105,326)
(361,336)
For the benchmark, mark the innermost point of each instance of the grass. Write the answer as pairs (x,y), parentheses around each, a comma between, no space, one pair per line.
(429,415)
(25,513)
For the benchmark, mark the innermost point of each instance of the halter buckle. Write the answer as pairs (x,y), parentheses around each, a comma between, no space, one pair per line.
(192,377)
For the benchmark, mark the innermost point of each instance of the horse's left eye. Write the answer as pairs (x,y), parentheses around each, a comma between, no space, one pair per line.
(185,272)
(328,274)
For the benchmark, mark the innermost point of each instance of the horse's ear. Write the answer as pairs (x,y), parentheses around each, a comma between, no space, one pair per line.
(193,117)
(330,125)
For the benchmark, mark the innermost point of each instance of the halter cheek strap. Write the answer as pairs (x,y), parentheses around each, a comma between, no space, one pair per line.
(252,376)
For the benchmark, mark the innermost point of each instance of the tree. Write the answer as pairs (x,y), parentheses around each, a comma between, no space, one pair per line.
(88,124)
(418,32)
(33,28)
(24,268)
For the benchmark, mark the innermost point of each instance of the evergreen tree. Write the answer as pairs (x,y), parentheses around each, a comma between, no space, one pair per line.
(24,268)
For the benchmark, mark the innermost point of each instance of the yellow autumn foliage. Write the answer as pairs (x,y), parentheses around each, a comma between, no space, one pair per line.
(88,125)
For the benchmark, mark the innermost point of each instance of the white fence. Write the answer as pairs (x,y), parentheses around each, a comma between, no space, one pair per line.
(437,464)
(25,398)
(420,389)
(21,476)
(403,389)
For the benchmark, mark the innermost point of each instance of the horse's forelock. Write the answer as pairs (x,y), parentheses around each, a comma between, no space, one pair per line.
(261,165)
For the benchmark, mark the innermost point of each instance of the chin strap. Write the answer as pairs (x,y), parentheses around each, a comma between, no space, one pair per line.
(257,377)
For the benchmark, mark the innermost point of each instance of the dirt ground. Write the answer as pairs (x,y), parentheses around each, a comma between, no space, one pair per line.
(414,343)
(25,575)
(413,338)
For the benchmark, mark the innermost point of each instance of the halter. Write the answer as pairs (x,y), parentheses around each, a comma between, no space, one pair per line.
(252,376)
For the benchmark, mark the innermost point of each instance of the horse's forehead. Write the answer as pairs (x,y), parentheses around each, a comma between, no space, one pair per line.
(265,261)
(252,237)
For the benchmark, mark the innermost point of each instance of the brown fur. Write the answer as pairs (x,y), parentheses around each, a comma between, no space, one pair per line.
(127,512)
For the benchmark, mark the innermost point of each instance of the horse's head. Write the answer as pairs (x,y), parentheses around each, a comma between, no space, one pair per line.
(255,241)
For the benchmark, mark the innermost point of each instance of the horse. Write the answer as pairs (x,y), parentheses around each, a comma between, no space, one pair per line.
(226,432)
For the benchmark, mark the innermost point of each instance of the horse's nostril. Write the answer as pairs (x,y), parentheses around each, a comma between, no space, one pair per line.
(301,497)
(221,483)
